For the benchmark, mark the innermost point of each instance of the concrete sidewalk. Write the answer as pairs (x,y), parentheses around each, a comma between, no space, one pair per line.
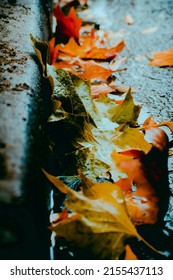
(23,205)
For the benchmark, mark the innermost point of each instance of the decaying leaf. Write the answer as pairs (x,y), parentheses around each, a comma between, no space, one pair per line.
(163,58)
(97,218)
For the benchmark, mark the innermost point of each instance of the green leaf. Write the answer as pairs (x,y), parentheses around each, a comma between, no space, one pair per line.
(128,138)
(127,112)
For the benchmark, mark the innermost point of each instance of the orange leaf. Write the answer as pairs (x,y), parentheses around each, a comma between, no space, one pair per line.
(89,70)
(133,153)
(73,49)
(129,254)
(89,50)
(68,25)
(164,58)
(93,70)
(125,184)
(104,53)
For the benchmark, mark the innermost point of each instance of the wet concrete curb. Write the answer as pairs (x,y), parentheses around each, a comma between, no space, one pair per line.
(23,203)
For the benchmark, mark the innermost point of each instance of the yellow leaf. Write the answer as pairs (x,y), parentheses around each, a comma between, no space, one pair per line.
(127,112)
(131,138)
(104,217)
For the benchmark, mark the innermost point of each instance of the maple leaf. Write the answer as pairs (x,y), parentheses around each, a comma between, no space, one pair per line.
(89,70)
(89,50)
(67,25)
(130,138)
(126,112)
(163,58)
(102,216)
(93,71)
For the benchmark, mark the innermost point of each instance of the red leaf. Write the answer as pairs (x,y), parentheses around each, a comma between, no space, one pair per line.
(68,25)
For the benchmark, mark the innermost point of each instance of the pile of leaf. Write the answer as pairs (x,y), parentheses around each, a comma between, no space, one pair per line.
(121,184)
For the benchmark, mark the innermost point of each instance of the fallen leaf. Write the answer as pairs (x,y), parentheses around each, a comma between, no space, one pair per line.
(148,172)
(163,58)
(127,112)
(89,50)
(115,64)
(121,87)
(130,138)
(42,51)
(150,30)
(67,25)
(129,19)
(94,71)
(140,57)
(101,89)
(104,217)
(164,123)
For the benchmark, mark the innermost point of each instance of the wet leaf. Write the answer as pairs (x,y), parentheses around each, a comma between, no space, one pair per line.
(163,58)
